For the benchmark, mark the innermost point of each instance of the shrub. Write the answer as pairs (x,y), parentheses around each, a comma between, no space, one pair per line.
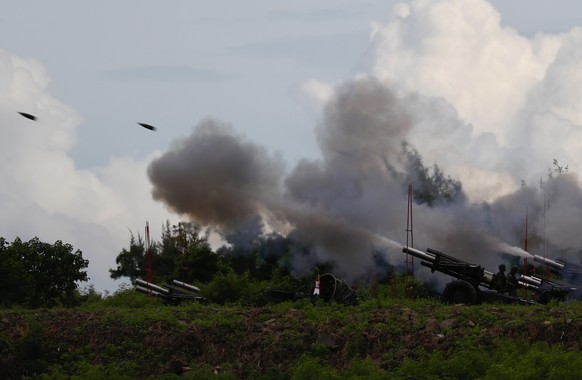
(309,368)
(87,371)
(32,350)
(126,297)
(232,287)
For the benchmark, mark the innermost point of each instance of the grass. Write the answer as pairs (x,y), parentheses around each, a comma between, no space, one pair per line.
(135,336)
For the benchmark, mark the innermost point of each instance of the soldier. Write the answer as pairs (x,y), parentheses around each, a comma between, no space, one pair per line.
(499,282)
(315,295)
(512,283)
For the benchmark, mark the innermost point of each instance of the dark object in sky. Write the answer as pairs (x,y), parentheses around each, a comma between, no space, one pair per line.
(28,116)
(147,126)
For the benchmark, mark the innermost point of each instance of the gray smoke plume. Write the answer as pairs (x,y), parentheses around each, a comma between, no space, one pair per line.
(341,205)
(215,176)
(352,202)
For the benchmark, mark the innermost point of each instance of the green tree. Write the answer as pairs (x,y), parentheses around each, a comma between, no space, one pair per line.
(260,258)
(131,263)
(39,274)
(558,169)
(184,253)
(14,278)
(431,186)
(198,262)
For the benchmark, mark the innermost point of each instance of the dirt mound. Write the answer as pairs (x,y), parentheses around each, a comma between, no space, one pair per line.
(175,340)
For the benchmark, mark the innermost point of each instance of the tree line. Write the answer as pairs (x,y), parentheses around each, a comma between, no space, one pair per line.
(248,265)
(35,274)
(38,274)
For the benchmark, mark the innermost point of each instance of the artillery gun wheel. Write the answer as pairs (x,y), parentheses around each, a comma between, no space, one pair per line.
(459,291)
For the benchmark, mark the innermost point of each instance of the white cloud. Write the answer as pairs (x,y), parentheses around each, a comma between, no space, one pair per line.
(515,98)
(43,194)
(458,50)
(492,108)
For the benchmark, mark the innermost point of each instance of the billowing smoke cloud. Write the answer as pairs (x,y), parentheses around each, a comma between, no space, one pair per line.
(219,178)
(445,85)
(216,176)
(346,205)
(516,99)
(516,94)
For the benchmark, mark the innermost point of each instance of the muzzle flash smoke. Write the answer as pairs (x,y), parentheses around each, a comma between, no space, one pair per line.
(350,202)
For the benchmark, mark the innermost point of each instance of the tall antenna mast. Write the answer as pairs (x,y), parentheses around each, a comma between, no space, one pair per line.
(409,290)
(525,240)
(546,207)
(148,248)
(525,264)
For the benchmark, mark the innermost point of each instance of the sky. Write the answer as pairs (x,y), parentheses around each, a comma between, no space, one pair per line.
(488,90)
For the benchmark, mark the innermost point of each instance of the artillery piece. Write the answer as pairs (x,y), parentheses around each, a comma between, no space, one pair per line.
(568,287)
(472,284)
(546,289)
(568,271)
(173,293)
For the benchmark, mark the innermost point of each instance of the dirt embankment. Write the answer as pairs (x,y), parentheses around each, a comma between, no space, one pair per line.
(256,339)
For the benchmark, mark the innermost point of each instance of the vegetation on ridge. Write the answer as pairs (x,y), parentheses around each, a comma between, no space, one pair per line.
(131,335)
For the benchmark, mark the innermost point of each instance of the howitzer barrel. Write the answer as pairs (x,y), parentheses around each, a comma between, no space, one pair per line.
(141,289)
(534,288)
(549,262)
(419,254)
(151,286)
(441,262)
(539,284)
(530,280)
(487,277)
(186,286)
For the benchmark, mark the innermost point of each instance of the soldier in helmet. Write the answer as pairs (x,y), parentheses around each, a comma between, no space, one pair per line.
(512,283)
(499,282)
